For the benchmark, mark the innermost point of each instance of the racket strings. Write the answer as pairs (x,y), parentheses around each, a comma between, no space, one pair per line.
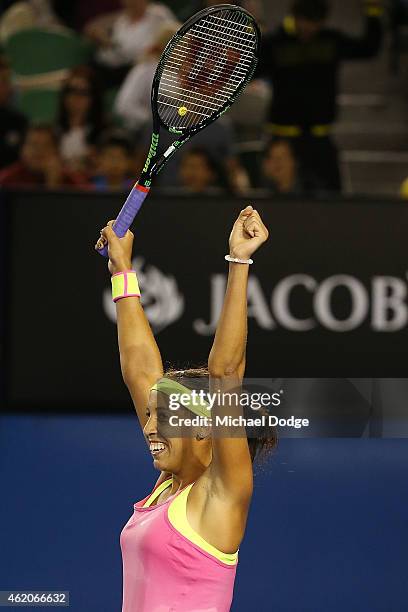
(188,98)
(220,27)
(208,100)
(196,47)
(205,68)
(207,45)
(211,33)
(176,58)
(232,34)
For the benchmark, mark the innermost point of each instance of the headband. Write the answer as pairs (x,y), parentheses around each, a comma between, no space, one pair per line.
(193,403)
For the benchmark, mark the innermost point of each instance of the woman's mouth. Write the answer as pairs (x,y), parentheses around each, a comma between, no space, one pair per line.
(156,448)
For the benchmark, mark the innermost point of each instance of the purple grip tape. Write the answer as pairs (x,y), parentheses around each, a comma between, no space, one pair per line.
(126,216)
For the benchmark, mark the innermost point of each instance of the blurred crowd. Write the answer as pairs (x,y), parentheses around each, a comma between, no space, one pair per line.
(100,130)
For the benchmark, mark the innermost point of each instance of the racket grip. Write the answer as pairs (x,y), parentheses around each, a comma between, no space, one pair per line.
(127,214)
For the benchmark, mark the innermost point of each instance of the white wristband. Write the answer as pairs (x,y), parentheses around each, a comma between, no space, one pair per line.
(236,260)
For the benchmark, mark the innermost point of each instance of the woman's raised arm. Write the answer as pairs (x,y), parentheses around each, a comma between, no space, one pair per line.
(226,363)
(140,358)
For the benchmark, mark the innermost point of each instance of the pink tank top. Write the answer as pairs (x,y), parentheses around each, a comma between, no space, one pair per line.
(163,571)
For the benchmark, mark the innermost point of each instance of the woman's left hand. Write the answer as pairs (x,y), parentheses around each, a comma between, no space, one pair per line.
(248,234)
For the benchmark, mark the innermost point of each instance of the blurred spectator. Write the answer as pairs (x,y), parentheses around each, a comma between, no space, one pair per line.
(302,60)
(199,173)
(76,13)
(40,164)
(133,104)
(124,37)
(398,22)
(255,7)
(12,123)
(115,164)
(218,140)
(80,118)
(249,113)
(28,14)
(280,171)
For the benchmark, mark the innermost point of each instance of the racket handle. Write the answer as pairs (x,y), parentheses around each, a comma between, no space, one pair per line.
(127,214)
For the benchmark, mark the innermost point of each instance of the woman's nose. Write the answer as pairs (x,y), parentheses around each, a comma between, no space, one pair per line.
(151,426)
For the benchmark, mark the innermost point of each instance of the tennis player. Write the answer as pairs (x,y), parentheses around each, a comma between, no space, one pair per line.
(180,547)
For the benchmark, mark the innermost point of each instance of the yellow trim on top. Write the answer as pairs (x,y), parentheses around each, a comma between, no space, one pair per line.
(177,514)
(164,485)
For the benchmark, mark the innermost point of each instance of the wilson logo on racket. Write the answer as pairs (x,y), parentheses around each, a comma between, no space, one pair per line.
(207,72)
(152,151)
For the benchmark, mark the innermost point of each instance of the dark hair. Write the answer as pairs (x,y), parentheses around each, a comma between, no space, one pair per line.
(259,447)
(314,10)
(94,117)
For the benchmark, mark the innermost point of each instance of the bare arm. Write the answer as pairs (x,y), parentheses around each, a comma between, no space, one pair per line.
(227,358)
(140,358)
(227,355)
(218,503)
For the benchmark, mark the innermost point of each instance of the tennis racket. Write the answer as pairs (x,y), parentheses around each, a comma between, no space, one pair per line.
(203,69)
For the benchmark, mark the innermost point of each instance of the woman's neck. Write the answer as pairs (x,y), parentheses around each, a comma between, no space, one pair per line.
(189,474)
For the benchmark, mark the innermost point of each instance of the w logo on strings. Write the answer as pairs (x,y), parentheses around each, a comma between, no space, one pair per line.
(207,67)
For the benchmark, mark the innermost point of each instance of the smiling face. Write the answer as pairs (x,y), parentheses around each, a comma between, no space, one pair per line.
(167,453)
(173,454)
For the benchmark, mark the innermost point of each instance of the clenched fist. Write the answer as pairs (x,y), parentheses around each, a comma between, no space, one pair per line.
(248,234)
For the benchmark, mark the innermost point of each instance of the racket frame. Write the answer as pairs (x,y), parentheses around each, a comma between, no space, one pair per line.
(153,166)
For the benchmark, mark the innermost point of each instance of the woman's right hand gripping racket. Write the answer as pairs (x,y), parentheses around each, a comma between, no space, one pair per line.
(203,69)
